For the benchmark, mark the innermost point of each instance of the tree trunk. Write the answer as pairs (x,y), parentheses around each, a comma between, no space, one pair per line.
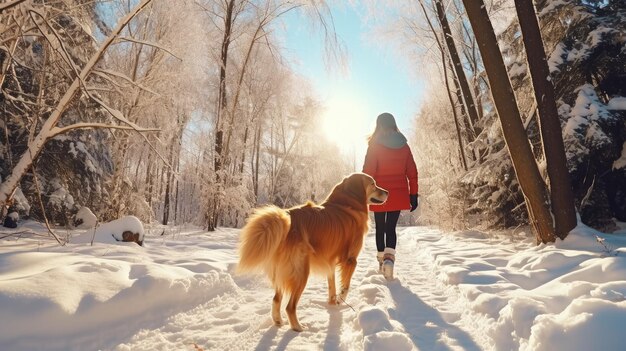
(561,192)
(222,99)
(166,201)
(148,180)
(118,178)
(454,114)
(470,135)
(161,175)
(472,56)
(221,108)
(244,66)
(176,194)
(177,180)
(458,67)
(256,158)
(524,163)
(243,150)
(444,61)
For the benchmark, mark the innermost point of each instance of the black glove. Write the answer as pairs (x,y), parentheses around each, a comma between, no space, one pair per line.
(413,198)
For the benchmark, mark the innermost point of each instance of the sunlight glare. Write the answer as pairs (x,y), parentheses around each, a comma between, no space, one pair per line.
(346,123)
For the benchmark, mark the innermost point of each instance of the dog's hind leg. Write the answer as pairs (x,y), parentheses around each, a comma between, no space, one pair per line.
(278,298)
(347,269)
(332,290)
(297,287)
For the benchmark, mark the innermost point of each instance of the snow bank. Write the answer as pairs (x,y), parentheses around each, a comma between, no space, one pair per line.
(112,232)
(584,325)
(86,298)
(453,291)
(570,295)
(86,218)
(116,227)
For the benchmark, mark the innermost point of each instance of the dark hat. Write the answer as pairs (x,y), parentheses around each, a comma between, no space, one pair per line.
(386,121)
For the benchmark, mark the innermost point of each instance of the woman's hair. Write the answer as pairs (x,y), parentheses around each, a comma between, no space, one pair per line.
(385,123)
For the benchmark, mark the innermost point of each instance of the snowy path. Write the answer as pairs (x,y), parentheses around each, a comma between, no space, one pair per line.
(382,315)
(453,291)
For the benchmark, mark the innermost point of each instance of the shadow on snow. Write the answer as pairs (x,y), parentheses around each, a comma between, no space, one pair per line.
(425,324)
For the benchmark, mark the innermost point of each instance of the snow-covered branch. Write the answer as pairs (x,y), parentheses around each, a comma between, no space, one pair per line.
(148,44)
(54,39)
(105,74)
(60,130)
(38,143)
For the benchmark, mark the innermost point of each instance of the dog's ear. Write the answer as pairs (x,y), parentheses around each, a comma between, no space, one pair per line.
(355,186)
(338,189)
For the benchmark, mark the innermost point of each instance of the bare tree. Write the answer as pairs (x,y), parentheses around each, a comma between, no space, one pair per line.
(229,16)
(444,60)
(239,20)
(468,98)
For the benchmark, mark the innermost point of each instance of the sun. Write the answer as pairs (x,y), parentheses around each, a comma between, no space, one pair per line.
(346,123)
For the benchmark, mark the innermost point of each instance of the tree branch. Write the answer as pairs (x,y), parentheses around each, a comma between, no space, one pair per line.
(4,7)
(133,40)
(105,72)
(60,130)
(38,143)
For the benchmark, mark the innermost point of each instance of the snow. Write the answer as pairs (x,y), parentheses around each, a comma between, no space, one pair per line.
(580,50)
(621,162)
(73,150)
(111,232)
(517,69)
(552,6)
(596,36)
(453,291)
(118,226)
(86,217)
(90,162)
(61,197)
(21,203)
(617,103)
(557,58)
(583,131)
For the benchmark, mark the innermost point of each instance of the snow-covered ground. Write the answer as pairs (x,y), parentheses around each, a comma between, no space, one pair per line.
(454,291)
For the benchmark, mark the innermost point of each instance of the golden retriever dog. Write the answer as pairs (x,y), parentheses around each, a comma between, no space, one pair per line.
(289,244)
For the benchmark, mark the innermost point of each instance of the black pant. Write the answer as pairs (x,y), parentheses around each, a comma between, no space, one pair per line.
(386,229)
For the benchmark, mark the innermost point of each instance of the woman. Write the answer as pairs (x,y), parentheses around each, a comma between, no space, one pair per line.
(390,162)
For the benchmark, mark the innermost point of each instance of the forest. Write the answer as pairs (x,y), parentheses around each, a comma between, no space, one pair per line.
(190,112)
(137,138)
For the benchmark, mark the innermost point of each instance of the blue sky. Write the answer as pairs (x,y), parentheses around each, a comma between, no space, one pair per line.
(377,80)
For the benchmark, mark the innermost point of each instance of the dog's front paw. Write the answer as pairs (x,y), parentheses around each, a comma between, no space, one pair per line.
(297,327)
(333,300)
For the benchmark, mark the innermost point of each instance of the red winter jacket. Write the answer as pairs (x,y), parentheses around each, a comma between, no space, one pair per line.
(395,171)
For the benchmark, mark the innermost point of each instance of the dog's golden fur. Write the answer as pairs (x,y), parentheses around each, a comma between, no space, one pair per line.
(290,244)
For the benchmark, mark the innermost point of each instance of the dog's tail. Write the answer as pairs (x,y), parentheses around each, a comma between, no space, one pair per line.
(261,237)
